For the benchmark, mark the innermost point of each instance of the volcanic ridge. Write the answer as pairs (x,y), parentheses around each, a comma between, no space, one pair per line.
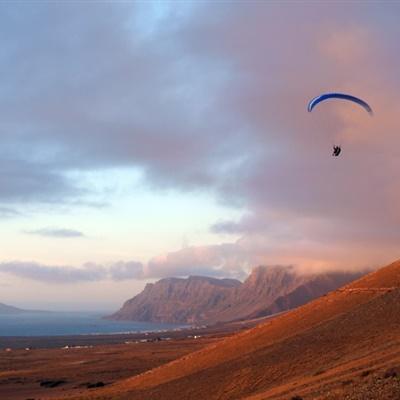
(344,345)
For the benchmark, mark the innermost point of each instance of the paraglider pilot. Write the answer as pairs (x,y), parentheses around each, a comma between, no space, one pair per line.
(341,96)
(336,150)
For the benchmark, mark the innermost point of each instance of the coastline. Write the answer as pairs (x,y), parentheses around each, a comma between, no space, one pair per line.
(70,365)
(51,342)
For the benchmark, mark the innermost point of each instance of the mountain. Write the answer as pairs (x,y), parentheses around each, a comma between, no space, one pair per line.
(5,309)
(262,287)
(345,345)
(316,286)
(177,300)
(202,300)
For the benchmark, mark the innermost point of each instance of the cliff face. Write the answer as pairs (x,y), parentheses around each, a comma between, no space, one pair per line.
(313,287)
(259,290)
(177,300)
(202,300)
(344,345)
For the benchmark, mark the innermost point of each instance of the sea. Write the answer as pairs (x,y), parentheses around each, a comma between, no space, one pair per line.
(72,323)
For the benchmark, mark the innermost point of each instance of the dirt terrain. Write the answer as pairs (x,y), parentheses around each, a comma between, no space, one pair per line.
(58,366)
(53,373)
(200,300)
(345,345)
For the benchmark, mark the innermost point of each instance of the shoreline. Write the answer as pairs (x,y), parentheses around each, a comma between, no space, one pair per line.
(43,342)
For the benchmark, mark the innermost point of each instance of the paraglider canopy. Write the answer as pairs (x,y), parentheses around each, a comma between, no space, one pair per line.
(342,96)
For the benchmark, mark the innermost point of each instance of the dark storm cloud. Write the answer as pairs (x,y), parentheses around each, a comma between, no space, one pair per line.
(83,89)
(306,208)
(214,99)
(56,233)
(28,181)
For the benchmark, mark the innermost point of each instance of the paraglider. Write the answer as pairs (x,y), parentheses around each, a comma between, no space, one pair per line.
(336,150)
(342,96)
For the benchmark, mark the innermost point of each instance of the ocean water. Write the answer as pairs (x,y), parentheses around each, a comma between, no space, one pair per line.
(71,323)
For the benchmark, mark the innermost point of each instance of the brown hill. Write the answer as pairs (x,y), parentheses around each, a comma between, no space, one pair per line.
(202,300)
(176,300)
(316,286)
(345,345)
(262,287)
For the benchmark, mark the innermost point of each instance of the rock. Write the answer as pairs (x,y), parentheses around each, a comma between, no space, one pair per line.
(202,300)
(95,385)
(52,384)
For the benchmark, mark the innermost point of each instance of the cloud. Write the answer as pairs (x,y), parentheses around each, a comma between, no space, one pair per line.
(90,103)
(56,233)
(6,212)
(89,272)
(224,260)
(54,274)
(227,260)
(214,98)
(125,270)
(304,206)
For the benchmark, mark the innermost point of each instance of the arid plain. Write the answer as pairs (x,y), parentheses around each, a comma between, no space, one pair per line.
(344,345)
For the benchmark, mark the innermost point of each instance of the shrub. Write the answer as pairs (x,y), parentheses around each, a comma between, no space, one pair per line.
(365,373)
(390,373)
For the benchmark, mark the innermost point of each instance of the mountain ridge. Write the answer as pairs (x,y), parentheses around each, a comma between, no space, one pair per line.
(205,300)
(342,345)
(7,309)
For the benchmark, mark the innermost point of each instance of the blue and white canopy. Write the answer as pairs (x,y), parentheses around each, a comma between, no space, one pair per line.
(342,96)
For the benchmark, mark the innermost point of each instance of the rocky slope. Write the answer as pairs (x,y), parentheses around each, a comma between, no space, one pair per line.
(202,300)
(345,345)
(177,300)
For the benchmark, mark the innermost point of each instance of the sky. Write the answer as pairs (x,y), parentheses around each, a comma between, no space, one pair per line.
(142,140)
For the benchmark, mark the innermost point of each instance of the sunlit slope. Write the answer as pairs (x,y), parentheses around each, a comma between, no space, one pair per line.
(335,335)
(385,278)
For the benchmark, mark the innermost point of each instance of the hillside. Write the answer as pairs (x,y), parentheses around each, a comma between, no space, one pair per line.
(177,300)
(202,300)
(6,309)
(343,345)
